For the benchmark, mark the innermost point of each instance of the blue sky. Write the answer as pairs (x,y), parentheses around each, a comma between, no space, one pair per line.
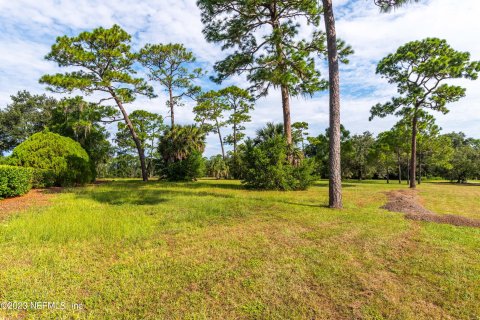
(29,27)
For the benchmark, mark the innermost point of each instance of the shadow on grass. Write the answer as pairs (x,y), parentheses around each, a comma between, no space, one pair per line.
(305,204)
(141,197)
(468,184)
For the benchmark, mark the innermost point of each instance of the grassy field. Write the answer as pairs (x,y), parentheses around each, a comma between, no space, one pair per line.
(128,250)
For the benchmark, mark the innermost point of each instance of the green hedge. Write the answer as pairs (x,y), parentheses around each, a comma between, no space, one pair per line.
(14,181)
(57,160)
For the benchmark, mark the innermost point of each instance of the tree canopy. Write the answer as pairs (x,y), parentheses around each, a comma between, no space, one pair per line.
(420,69)
(104,63)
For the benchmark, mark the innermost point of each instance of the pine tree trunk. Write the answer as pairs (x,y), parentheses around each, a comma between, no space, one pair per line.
(399,162)
(135,138)
(235,164)
(221,141)
(287,125)
(170,102)
(408,171)
(335,183)
(419,172)
(413,160)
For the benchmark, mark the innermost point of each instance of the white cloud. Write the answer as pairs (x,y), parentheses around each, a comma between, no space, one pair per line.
(29,27)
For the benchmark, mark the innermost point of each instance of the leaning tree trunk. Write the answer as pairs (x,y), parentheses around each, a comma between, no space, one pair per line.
(335,184)
(135,138)
(413,160)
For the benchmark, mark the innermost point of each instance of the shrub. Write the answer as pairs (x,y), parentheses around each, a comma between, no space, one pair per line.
(43,178)
(181,149)
(59,160)
(14,181)
(217,167)
(267,166)
(188,169)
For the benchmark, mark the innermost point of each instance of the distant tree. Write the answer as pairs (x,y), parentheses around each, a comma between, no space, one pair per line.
(300,133)
(210,113)
(240,104)
(25,115)
(395,142)
(217,167)
(84,122)
(382,156)
(465,160)
(318,148)
(419,68)
(104,64)
(361,148)
(266,49)
(172,66)
(149,127)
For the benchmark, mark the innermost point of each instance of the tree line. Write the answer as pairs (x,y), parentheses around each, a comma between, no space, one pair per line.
(262,42)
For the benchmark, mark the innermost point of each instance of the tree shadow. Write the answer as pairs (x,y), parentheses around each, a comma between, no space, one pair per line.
(305,204)
(324,184)
(142,197)
(468,184)
(217,185)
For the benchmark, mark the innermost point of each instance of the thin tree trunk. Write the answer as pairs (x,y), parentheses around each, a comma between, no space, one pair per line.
(335,183)
(221,141)
(235,164)
(287,125)
(170,102)
(408,171)
(388,176)
(135,138)
(419,172)
(413,160)
(234,138)
(399,161)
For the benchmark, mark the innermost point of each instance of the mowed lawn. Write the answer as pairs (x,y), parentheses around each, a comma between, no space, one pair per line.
(212,250)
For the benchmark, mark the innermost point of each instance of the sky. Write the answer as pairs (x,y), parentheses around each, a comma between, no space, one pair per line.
(28,28)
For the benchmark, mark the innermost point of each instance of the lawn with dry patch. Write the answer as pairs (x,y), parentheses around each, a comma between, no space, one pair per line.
(212,250)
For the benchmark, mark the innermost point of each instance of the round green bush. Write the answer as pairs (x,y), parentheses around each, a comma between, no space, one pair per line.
(14,181)
(60,160)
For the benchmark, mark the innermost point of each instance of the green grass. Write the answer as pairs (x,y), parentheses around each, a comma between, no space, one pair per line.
(128,250)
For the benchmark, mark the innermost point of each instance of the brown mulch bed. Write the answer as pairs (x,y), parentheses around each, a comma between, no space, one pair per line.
(406,201)
(36,197)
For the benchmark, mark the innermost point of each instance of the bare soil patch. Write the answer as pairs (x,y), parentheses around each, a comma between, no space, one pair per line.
(36,197)
(408,202)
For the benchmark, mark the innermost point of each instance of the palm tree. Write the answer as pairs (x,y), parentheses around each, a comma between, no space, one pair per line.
(271,130)
(335,183)
(179,142)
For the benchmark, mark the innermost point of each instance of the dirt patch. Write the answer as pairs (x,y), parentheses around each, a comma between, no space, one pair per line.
(407,201)
(36,197)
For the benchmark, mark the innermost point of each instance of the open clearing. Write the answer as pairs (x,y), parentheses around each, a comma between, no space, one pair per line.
(213,250)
